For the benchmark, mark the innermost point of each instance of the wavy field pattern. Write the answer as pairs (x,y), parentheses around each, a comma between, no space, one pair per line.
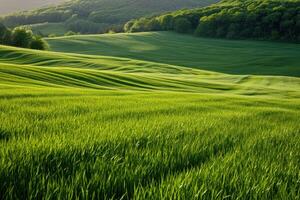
(144,121)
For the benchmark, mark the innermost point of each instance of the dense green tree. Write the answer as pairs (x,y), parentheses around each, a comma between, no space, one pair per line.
(85,26)
(103,13)
(128,25)
(261,19)
(166,22)
(38,43)
(3,31)
(139,25)
(21,37)
(205,27)
(153,25)
(69,33)
(182,25)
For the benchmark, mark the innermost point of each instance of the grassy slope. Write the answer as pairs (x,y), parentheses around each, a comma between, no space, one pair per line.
(9,6)
(99,71)
(108,127)
(48,28)
(110,12)
(234,57)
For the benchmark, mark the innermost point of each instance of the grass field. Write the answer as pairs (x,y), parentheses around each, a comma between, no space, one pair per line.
(226,56)
(128,123)
(46,29)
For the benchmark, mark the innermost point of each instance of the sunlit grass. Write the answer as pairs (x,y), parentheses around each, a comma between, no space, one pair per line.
(64,143)
(93,127)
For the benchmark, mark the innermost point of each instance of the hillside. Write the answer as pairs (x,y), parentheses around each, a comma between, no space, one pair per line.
(93,125)
(23,67)
(225,56)
(230,19)
(94,16)
(11,6)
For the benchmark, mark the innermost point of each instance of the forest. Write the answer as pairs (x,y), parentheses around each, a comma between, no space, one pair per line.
(98,16)
(270,20)
(20,37)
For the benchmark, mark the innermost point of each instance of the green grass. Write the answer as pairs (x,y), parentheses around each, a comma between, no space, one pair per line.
(46,29)
(226,56)
(76,126)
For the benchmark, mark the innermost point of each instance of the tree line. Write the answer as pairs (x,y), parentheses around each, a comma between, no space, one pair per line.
(97,16)
(21,37)
(235,19)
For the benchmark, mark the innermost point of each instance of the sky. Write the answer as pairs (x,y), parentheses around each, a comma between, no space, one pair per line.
(8,6)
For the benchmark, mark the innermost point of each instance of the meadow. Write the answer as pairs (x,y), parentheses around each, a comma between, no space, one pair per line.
(144,120)
(219,55)
(47,29)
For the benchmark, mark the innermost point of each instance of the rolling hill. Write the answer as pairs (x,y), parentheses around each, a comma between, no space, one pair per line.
(12,6)
(127,116)
(29,67)
(258,58)
(94,16)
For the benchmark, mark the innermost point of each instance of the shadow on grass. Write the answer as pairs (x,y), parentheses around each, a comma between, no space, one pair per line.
(108,169)
(4,135)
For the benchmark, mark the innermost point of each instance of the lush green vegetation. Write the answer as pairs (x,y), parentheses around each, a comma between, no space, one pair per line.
(105,127)
(48,29)
(225,56)
(232,19)
(97,16)
(21,37)
(11,6)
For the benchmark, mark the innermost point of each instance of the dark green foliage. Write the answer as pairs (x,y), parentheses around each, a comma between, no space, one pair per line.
(3,29)
(128,26)
(97,16)
(69,33)
(166,22)
(21,37)
(138,26)
(237,19)
(5,35)
(85,26)
(38,43)
(118,28)
(182,25)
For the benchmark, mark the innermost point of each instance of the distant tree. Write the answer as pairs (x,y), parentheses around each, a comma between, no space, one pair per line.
(21,37)
(128,26)
(153,25)
(139,25)
(7,38)
(69,33)
(166,22)
(38,43)
(182,25)
(261,19)
(5,35)
(115,29)
(233,31)
(3,31)
(287,26)
(85,26)
(52,35)
(205,27)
